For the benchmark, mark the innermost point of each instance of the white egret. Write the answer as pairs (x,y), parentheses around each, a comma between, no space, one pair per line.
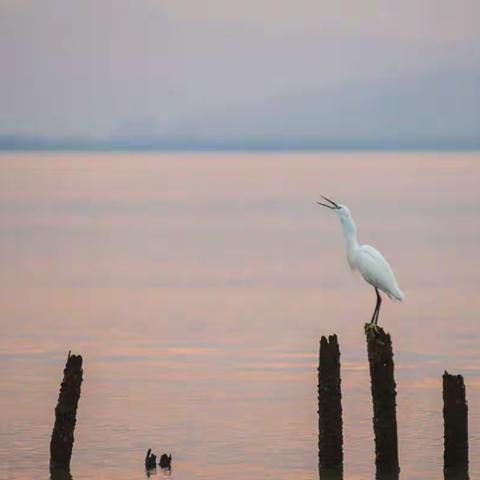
(367,260)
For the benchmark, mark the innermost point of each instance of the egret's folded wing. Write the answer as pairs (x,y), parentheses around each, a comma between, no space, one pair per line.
(376,270)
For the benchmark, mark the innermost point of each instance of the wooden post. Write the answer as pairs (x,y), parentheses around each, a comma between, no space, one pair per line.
(330,436)
(331,473)
(388,476)
(61,443)
(380,358)
(60,474)
(455,422)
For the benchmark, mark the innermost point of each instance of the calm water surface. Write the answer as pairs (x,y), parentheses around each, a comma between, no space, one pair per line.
(197,287)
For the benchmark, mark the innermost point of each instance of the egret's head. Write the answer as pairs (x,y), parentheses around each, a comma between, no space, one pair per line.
(341,210)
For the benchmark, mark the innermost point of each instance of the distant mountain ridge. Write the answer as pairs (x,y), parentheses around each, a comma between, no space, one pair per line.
(439,110)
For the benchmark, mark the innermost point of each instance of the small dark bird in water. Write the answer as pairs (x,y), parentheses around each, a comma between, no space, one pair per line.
(150,460)
(166,461)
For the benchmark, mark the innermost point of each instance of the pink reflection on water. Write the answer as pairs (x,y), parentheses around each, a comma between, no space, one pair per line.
(197,288)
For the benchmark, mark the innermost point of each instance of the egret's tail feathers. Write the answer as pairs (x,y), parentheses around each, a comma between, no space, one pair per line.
(397,295)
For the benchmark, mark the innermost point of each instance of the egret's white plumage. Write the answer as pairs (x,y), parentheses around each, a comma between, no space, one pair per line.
(377,272)
(366,259)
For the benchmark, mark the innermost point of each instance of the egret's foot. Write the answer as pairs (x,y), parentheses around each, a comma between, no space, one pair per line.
(371,328)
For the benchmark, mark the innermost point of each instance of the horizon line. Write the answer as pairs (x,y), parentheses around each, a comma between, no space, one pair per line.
(33,144)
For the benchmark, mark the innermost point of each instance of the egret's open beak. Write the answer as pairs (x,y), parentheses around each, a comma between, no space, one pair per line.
(333,205)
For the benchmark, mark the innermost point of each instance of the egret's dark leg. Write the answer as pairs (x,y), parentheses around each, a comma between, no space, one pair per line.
(372,321)
(377,308)
(376,313)
(372,326)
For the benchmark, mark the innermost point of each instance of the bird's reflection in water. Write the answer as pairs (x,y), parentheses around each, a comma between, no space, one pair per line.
(60,474)
(164,472)
(331,473)
(456,474)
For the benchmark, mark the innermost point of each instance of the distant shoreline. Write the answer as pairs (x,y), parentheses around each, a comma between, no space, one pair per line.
(13,144)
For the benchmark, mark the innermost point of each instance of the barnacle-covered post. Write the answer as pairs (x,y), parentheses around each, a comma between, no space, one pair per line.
(455,423)
(330,424)
(383,387)
(61,443)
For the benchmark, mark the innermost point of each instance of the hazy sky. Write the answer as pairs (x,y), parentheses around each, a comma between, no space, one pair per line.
(227,69)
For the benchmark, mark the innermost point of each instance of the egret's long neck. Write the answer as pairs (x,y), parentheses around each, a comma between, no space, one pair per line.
(350,233)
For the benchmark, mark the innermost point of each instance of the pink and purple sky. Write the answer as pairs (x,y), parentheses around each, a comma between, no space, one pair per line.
(382,71)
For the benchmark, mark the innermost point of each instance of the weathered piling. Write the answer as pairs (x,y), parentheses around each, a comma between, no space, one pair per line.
(455,424)
(331,473)
(387,476)
(330,434)
(456,474)
(61,443)
(60,474)
(380,358)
